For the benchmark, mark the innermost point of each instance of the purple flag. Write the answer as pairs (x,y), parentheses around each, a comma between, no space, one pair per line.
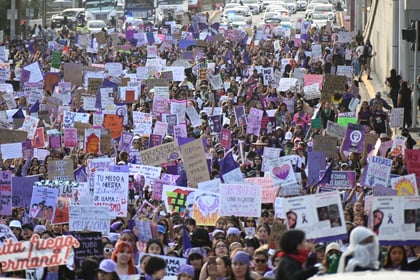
(326,178)
(227,164)
(316,163)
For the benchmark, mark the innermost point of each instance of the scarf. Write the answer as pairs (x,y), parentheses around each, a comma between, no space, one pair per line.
(301,257)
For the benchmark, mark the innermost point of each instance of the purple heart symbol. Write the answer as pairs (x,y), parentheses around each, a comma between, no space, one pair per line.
(281,172)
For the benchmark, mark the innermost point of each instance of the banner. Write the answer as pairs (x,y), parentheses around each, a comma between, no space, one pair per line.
(240,200)
(339,180)
(36,253)
(111,189)
(205,208)
(160,154)
(195,162)
(87,217)
(395,219)
(320,216)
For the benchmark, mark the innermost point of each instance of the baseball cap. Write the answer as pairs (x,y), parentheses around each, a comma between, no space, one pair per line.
(108,266)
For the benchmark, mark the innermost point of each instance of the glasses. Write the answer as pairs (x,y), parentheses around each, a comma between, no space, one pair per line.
(260,260)
(108,250)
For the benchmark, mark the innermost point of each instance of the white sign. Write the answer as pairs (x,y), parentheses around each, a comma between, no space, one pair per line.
(240,200)
(87,217)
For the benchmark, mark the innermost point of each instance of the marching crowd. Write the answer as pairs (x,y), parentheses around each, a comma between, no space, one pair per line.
(223,250)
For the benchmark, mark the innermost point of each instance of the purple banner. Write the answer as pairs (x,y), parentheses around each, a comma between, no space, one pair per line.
(340,180)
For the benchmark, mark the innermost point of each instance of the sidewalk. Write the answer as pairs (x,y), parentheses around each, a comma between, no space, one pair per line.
(375,85)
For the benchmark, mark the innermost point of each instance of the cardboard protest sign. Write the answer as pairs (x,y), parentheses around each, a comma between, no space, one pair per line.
(325,144)
(178,199)
(36,253)
(320,216)
(73,72)
(369,143)
(93,85)
(332,85)
(405,185)
(395,219)
(61,170)
(378,171)
(6,193)
(86,217)
(12,136)
(160,154)
(111,189)
(195,162)
(240,200)
(90,246)
(205,208)
(276,234)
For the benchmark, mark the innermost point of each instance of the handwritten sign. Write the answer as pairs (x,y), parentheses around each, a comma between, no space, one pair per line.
(36,252)
(160,154)
(90,246)
(83,217)
(378,171)
(111,189)
(6,193)
(195,162)
(240,200)
(61,170)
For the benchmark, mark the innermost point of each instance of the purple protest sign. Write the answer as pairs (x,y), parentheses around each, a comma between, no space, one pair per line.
(340,180)
(125,141)
(22,190)
(240,115)
(254,121)
(316,163)
(355,136)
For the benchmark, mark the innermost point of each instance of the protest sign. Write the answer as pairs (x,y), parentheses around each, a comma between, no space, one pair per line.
(143,226)
(43,203)
(320,216)
(339,180)
(90,246)
(61,170)
(325,144)
(268,191)
(61,215)
(86,217)
(233,176)
(160,154)
(397,218)
(12,136)
(195,162)
(369,143)
(210,186)
(412,159)
(205,208)
(240,200)
(332,85)
(355,136)
(281,170)
(36,253)
(6,193)
(73,72)
(240,115)
(405,185)
(269,154)
(111,189)
(22,190)
(316,163)
(254,121)
(172,265)
(397,117)
(114,123)
(178,199)
(277,232)
(378,171)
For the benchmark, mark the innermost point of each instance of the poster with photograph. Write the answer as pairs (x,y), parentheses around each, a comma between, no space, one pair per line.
(320,215)
(395,219)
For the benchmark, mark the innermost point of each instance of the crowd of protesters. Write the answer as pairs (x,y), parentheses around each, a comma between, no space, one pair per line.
(224,250)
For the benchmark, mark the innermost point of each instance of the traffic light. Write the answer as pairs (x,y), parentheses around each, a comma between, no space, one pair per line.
(411,34)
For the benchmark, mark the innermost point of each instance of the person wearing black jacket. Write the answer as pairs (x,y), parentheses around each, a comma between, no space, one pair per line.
(294,256)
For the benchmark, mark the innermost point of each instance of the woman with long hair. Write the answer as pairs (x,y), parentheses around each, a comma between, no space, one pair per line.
(241,266)
(363,117)
(404,101)
(262,232)
(123,256)
(107,270)
(394,82)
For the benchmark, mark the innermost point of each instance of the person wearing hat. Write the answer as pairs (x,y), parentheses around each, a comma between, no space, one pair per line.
(16,228)
(186,272)
(241,265)
(233,235)
(332,256)
(107,270)
(195,257)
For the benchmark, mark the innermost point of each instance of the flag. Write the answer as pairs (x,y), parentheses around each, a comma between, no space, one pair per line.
(214,28)
(326,178)
(35,107)
(186,241)
(227,164)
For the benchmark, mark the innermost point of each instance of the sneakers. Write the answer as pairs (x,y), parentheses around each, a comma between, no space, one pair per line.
(369,78)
